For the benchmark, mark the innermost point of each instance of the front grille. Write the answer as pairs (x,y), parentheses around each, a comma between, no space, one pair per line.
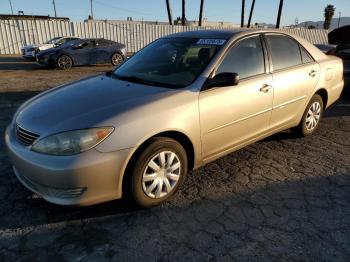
(25,137)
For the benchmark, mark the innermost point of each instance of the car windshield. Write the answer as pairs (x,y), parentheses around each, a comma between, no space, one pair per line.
(169,62)
(53,40)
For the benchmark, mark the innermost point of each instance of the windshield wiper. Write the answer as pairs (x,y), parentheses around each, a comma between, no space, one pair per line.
(135,79)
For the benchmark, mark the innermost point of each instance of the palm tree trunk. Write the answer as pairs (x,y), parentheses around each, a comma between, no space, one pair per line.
(251,13)
(183,13)
(201,13)
(170,17)
(279,14)
(242,13)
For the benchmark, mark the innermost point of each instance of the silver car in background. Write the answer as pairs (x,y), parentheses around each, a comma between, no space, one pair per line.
(179,103)
(30,51)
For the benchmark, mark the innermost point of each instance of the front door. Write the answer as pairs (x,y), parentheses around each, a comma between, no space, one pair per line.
(233,115)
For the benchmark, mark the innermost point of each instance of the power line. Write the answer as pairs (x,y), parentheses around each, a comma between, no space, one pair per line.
(126,10)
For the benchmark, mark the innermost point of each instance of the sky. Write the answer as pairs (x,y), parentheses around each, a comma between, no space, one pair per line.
(214,10)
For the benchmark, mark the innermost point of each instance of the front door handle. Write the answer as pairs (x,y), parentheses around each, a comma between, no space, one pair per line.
(313,73)
(265,88)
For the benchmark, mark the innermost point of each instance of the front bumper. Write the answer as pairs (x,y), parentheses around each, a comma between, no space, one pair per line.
(44,60)
(28,54)
(88,178)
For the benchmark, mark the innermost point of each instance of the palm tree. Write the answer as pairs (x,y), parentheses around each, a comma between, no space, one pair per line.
(201,13)
(183,18)
(279,14)
(251,13)
(328,15)
(168,7)
(242,13)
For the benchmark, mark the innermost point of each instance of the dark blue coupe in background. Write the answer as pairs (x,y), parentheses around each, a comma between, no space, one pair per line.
(83,52)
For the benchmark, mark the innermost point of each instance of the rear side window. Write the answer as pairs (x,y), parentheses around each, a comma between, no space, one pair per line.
(284,51)
(246,58)
(306,58)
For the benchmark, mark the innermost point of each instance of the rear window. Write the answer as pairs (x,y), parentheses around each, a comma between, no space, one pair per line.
(284,51)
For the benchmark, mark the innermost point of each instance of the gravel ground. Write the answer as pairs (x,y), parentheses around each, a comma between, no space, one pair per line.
(282,199)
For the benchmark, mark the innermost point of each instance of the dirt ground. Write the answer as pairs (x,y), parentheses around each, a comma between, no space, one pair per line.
(18,74)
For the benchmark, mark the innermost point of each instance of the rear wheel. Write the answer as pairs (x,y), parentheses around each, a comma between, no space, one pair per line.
(116,59)
(158,172)
(311,118)
(64,62)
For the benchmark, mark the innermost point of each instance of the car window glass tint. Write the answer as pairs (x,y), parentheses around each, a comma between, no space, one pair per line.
(284,51)
(305,56)
(246,58)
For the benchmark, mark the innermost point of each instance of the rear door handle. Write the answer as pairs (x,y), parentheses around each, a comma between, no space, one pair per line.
(313,73)
(265,88)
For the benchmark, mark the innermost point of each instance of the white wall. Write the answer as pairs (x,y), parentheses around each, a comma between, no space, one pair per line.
(16,33)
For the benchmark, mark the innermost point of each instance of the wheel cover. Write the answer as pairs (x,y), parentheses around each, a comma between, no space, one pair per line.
(313,116)
(117,59)
(64,62)
(161,174)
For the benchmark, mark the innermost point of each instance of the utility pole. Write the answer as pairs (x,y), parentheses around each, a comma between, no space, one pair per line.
(11,6)
(92,14)
(183,19)
(170,16)
(279,14)
(54,7)
(251,13)
(201,13)
(339,19)
(242,14)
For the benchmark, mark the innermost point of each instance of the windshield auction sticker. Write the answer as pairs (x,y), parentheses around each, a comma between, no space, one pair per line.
(211,41)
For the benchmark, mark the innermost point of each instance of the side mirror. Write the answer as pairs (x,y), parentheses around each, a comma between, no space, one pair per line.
(77,47)
(222,79)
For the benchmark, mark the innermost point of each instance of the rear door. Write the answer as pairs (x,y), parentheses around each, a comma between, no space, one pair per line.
(84,54)
(103,51)
(295,75)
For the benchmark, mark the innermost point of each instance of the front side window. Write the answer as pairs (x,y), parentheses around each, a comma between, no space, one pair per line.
(246,58)
(284,51)
(170,62)
(53,40)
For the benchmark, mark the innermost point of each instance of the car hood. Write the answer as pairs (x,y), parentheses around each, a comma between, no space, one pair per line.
(95,101)
(38,46)
(48,51)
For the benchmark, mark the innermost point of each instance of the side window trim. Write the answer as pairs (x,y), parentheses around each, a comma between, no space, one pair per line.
(266,68)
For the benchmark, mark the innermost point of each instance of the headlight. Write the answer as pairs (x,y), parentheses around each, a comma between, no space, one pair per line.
(72,142)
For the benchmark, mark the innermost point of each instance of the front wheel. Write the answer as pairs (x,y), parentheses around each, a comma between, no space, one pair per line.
(158,172)
(116,59)
(311,118)
(64,62)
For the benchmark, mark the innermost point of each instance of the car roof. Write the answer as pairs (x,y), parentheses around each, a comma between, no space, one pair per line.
(212,33)
(240,32)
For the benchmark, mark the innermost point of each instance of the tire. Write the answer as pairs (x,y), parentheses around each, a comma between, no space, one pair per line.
(64,62)
(151,183)
(311,117)
(116,59)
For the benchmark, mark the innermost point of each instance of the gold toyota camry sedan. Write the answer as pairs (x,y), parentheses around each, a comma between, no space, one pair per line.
(181,102)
